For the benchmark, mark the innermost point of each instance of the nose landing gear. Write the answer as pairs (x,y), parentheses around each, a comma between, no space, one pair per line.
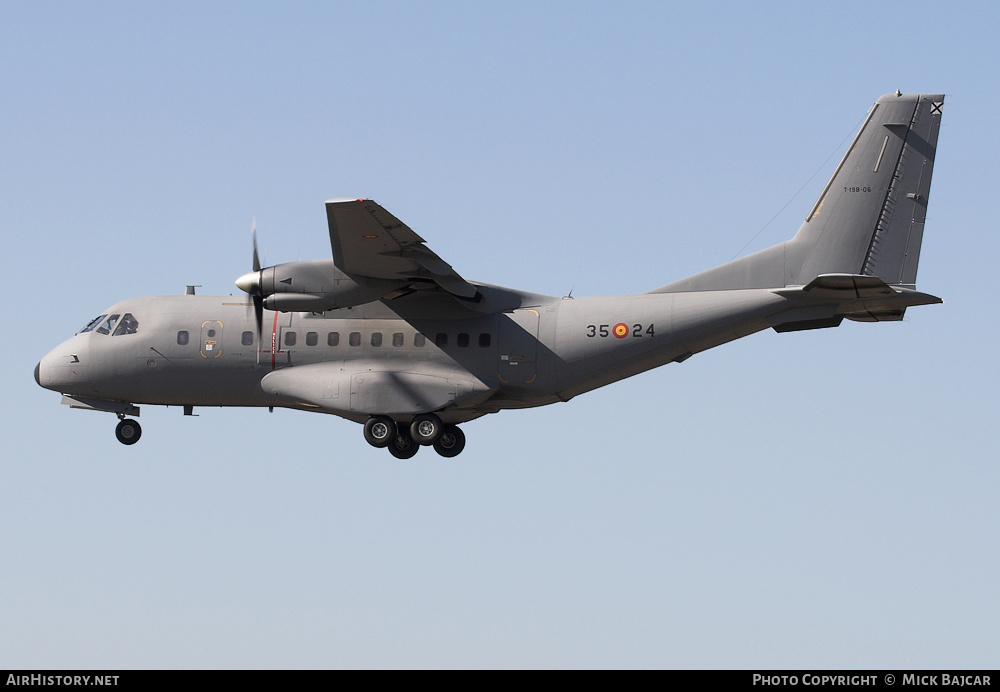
(128,431)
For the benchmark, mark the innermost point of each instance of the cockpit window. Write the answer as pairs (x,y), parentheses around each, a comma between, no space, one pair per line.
(128,325)
(93,323)
(109,324)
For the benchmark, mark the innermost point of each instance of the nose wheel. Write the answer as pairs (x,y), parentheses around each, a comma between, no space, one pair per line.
(128,431)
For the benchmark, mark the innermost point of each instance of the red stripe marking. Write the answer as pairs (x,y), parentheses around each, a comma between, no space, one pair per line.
(274,341)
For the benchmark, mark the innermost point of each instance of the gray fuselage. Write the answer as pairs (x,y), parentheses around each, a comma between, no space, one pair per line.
(194,350)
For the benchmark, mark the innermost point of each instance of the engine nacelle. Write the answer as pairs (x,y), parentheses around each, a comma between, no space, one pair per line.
(298,302)
(313,286)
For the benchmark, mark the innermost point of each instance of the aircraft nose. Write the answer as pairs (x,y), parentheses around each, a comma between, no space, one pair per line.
(64,368)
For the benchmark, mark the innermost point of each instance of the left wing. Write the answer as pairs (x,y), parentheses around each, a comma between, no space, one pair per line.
(368,241)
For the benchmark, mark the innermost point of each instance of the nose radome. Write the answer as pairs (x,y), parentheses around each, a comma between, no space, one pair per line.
(64,368)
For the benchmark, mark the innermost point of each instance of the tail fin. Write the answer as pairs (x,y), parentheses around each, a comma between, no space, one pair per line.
(868,221)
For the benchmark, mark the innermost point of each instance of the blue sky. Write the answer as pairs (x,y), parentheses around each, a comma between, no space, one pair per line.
(815,499)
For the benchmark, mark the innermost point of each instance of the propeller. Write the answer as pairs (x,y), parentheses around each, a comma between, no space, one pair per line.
(251,283)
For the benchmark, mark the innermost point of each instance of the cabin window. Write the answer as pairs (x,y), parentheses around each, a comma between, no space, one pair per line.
(290,338)
(419,340)
(354,339)
(312,338)
(333,339)
(247,338)
(128,325)
(441,339)
(376,339)
(183,337)
(397,339)
(484,340)
(463,340)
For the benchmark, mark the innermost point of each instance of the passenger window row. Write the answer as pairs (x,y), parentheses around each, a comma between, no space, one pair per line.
(290,338)
(463,339)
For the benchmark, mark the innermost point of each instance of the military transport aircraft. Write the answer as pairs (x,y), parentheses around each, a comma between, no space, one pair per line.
(389,335)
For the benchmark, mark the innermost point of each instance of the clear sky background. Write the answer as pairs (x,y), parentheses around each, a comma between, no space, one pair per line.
(815,499)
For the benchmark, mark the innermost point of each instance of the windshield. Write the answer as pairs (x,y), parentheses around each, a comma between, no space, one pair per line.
(93,323)
(108,325)
(128,325)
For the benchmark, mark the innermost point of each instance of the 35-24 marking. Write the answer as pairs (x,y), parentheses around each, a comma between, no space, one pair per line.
(620,330)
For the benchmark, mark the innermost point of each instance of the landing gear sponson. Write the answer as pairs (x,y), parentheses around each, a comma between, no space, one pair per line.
(426,430)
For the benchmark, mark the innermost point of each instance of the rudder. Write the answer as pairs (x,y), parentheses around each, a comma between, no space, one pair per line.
(870,218)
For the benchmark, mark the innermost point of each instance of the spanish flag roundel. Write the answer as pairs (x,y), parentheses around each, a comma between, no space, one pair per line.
(620,330)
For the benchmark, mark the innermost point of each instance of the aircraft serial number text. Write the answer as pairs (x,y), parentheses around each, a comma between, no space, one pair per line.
(857,189)
(620,330)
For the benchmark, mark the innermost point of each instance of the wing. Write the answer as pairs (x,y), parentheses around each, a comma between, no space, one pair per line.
(368,241)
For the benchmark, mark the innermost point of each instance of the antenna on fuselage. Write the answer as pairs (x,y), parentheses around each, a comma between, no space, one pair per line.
(190,289)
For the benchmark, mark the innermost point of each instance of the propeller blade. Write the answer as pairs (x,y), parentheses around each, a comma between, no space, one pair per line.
(250,284)
(256,256)
(258,313)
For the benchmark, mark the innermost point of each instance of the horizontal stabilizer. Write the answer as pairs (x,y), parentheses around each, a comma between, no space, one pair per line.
(829,298)
(803,325)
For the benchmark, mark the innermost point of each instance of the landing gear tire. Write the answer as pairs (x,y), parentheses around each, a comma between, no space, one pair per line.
(128,431)
(451,443)
(380,431)
(403,446)
(426,429)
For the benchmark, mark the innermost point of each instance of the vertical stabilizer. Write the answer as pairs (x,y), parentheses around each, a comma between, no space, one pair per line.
(869,220)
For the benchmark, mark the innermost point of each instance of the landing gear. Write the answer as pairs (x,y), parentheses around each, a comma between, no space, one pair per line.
(403,446)
(426,429)
(451,443)
(128,431)
(403,441)
(380,431)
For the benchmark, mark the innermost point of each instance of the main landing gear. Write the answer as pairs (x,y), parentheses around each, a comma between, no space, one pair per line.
(128,431)
(426,430)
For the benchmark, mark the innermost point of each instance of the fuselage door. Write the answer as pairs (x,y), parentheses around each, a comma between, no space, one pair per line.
(518,346)
(284,340)
(211,339)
